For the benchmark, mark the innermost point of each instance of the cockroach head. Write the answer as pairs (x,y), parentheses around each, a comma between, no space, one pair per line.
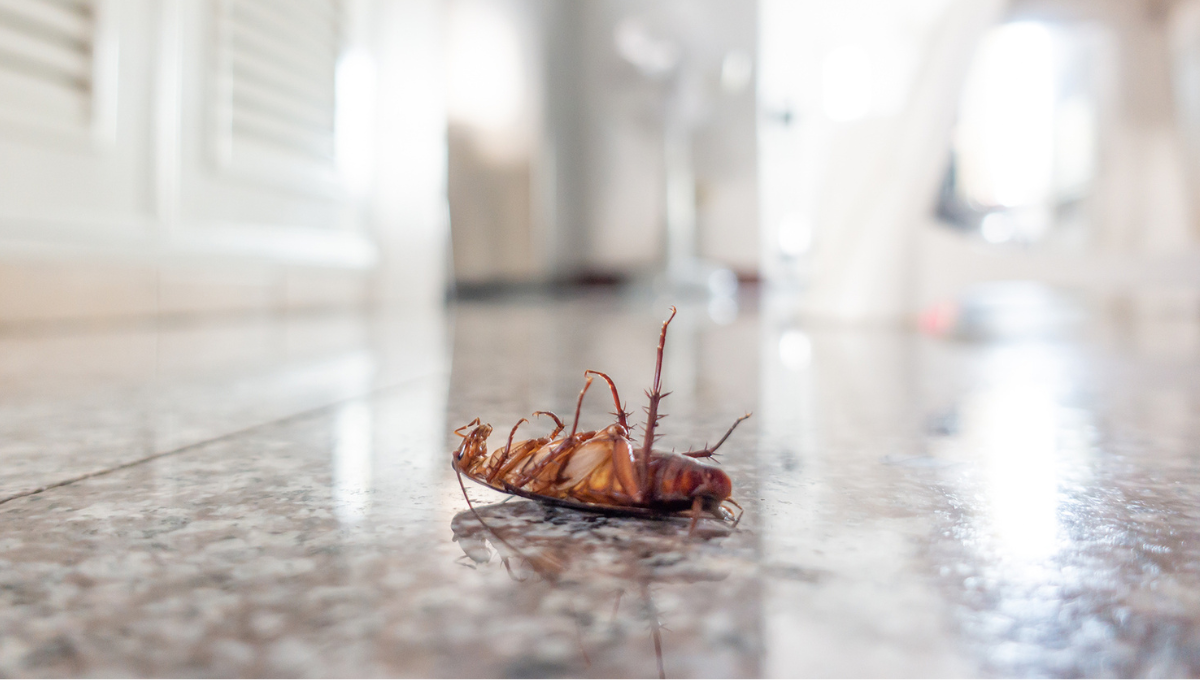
(712,483)
(474,439)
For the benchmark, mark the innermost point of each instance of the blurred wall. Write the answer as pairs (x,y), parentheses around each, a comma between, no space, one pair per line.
(858,101)
(195,155)
(624,109)
(1139,235)
(500,162)
(569,181)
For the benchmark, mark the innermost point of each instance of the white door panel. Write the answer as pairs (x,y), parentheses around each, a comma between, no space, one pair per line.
(74,119)
(180,127)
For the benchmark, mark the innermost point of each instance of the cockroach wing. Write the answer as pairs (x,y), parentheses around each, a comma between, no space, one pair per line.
(585,461)
(602,467)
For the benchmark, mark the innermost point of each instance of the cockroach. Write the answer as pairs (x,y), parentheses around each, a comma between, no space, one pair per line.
(602,470)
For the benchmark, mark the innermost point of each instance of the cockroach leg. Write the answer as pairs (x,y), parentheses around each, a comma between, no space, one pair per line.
(579,404)
(473,423)
(652,416)
(625,469)
(740,512)
(708,452)
(697,506)
(558,424)
(527,451)
(620,414)
(565,447)
(507,452)
(561,452)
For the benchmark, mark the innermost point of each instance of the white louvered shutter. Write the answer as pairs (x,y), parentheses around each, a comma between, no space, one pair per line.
(275,94)
(46,62)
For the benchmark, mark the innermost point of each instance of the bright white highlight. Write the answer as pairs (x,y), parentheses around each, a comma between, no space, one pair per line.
(354,125)
(795,350)
(847,83)
(795,235)
(1075,130)
(1014,424)
(352,463)
(1008,114)
(997,228)
(484,67)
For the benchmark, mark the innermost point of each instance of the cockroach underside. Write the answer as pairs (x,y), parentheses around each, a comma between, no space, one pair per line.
(603,470)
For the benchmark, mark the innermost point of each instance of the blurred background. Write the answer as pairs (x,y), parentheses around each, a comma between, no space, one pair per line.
(863,161)
(277,250)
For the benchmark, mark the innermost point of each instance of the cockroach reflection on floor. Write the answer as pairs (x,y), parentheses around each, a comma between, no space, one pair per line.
(603,470)
(604,586)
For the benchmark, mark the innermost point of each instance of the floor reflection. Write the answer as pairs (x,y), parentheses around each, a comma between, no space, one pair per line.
(1010,504)
(352,464)
(838,464)
(1058,545)
(585,555)
(1016,421)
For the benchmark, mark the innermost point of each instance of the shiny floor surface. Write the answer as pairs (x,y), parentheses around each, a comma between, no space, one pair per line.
(274,497)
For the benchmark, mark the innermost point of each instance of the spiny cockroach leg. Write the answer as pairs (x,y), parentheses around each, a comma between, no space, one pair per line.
(506,453)
(656,396)
(697,505)
(558,424)
(565,447)
(620,414)
(709,451)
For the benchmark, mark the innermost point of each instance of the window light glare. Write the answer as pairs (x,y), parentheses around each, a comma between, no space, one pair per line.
(485,78)
(847,83)
(354,126)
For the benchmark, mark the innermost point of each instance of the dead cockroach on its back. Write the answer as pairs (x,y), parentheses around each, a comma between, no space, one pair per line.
(601,470)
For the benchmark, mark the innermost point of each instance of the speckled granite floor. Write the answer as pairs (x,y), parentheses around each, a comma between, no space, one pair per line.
(270,498)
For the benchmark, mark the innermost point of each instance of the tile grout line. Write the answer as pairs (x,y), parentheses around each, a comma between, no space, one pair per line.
(299,415)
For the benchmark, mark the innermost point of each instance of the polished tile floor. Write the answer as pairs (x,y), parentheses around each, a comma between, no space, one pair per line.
(274,497)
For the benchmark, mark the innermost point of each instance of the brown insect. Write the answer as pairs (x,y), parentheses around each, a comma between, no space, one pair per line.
(602,470)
